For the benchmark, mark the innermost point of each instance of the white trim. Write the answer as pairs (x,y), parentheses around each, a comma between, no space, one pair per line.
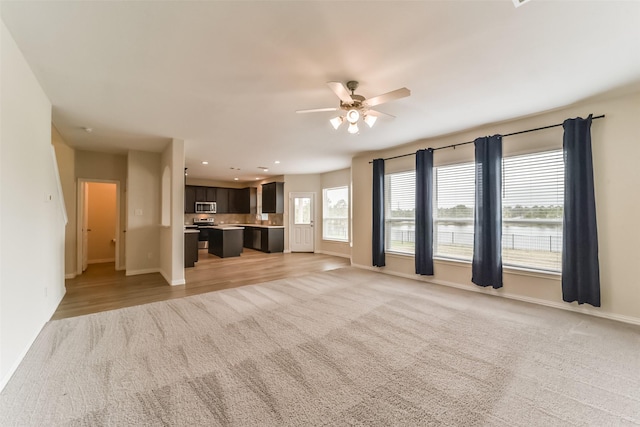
(554,304)
(80,200)
(100,261)
(338,254)
(175,282)
(292,219)
(142,271)
(70,276)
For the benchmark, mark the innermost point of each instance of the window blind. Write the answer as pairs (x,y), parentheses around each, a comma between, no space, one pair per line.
(453,216)
(532,207)
(400,210)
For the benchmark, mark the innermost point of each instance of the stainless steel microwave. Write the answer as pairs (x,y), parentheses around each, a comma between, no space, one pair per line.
(205,207)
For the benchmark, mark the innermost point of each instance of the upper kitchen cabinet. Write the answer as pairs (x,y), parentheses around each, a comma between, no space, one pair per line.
(211,194)
(243,200)
(228,200)
(273,197)
(201,194)
(222,200)
(189,199)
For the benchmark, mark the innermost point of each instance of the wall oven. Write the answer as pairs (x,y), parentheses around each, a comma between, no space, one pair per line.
(206,207)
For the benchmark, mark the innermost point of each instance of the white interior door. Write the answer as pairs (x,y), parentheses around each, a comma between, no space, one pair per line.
(301,222)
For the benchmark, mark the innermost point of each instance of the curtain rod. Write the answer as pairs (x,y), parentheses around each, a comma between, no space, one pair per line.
(471,142)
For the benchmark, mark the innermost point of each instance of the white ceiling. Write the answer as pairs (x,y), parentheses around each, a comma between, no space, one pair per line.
(227,76)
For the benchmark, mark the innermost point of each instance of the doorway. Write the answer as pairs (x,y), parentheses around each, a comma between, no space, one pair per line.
(98,223)
(301,237)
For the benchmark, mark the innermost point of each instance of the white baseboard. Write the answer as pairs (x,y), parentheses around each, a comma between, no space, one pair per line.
(174,282)
(142,271)
(100,261)
(338,254)
(70,276)
(490,291)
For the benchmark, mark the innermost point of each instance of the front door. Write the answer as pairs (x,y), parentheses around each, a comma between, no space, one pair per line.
(301,222)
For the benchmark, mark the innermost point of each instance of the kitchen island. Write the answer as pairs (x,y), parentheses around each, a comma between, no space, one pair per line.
(265,238)
(190,246)
(225,241)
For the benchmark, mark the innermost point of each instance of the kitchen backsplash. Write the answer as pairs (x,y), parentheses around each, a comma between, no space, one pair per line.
(274,219)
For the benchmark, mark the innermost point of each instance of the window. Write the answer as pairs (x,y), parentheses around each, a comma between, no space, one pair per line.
(532,209)
(335,214)
(453,211)
(400,212)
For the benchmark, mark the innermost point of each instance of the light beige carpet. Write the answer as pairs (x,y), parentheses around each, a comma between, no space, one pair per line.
(345,347)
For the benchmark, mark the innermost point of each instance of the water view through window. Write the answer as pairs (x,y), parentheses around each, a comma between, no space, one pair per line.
(532,200)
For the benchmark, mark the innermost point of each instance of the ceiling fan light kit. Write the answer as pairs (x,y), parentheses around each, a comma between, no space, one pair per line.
(357,106)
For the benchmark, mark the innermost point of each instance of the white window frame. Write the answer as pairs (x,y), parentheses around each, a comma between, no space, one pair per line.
(326,217)
(405,237)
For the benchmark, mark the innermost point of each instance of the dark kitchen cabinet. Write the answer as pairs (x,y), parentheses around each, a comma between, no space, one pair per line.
(189,199)
(225,242)
(264,239)
(222,200)
(211,194)
(228,200)
(273,197)
(201,194)
(272,240)
(190,249)
(243,200)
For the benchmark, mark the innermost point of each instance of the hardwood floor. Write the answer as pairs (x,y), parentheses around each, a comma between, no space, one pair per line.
(101,288)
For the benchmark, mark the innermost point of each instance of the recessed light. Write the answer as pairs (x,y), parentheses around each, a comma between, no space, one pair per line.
(257,179)
(277,162)
(205,163)
(235,179)
(88,130)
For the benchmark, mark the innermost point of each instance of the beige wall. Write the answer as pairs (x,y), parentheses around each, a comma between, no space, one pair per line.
(339,178)
(101,207)
(91,165)
(143,212)
(172,236)
(615,154)
(31,251)
(66,157)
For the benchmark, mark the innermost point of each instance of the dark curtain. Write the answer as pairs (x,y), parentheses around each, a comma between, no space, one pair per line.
(424,212)
(377,243)
(487,242)
(580,267)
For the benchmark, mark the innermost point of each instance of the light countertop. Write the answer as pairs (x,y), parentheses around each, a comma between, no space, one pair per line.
(262,226)
(224,227)
(191,230)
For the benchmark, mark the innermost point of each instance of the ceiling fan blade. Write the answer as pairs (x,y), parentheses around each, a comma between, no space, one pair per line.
(379,114)
(340,90)
(317,110)
(386,97)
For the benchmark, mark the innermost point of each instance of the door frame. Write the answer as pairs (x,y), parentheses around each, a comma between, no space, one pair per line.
(292,218)
(82,185)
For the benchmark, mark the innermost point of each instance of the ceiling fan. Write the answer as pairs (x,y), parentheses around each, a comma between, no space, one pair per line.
(357,106)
